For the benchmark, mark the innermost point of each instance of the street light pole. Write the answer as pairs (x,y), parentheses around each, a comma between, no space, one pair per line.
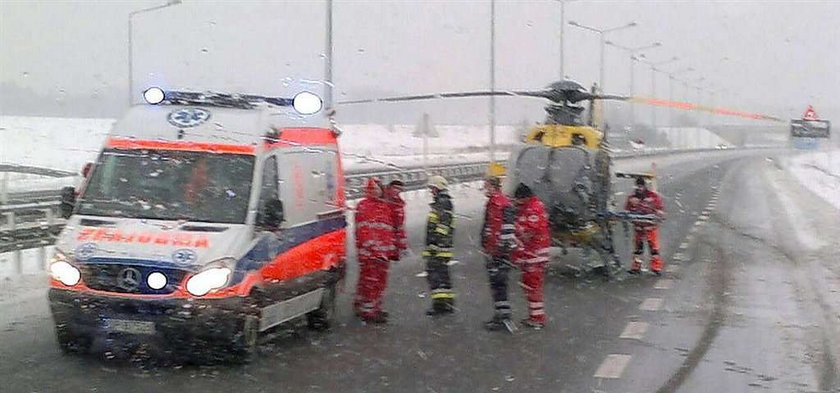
(328,72)
(492,80)
(602,32)
(633,51)
(671,78)
(131,43)
(653,71)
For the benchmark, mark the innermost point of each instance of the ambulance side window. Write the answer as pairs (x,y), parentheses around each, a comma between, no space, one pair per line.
(270,212)
(268,190)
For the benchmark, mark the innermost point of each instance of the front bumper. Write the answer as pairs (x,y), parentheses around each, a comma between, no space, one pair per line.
(170,320)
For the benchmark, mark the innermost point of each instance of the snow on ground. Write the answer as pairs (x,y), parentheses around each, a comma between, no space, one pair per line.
(820,173)
(51,142)
(67,144)
(692,137)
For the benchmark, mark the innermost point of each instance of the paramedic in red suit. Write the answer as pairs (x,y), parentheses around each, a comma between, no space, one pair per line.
(376,247)
(645,201)
(532,254)
(392,195)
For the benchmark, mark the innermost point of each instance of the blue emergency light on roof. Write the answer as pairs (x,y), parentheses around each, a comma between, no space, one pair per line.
(305,103)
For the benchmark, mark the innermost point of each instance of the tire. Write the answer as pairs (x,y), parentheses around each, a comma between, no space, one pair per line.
(69,342)
(244,343)
(324,317)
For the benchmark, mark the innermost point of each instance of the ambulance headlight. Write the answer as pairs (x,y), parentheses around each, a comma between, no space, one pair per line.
(63,271)
(156,280)
(214,276)
(307,103)
(154,95)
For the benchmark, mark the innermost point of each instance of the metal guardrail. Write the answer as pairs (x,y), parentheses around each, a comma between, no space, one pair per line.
(36,224)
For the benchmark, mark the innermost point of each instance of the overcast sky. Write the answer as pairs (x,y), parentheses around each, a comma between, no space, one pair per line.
(770,56)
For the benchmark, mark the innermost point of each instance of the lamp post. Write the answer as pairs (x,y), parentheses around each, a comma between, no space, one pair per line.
(492,80)
(131,14)
(563,35)
(653,71)
(328,68)
(601,34)
(633,51)
(671,78)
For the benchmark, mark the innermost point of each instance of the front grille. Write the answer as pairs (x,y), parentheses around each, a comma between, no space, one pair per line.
(112,278)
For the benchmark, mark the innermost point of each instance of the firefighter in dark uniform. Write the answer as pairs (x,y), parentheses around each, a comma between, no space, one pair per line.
(438,251)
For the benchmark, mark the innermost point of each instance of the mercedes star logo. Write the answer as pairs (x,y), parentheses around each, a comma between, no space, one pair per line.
(128,279)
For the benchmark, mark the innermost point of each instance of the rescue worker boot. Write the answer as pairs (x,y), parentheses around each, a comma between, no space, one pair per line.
(379,318)
(656,264)
(636,266)
(500,323)
(532,323)
(441,307)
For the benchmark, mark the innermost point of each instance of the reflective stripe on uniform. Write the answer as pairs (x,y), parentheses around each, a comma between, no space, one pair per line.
(444,294)
(504,304)
(433,217)
(535,304)
(442,229)
(375,225)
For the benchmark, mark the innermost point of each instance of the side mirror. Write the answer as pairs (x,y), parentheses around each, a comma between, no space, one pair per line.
(68,201)
(271,214)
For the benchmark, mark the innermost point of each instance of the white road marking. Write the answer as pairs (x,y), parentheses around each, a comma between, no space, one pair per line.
(703,217)
(635,330)
(613,366)
(651,304)
(683,245)
(671,268)
(678,257)
(664,283)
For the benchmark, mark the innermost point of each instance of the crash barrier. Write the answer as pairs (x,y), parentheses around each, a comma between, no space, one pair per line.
(36,224)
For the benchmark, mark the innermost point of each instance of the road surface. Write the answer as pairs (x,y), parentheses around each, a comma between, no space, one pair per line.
(750,302)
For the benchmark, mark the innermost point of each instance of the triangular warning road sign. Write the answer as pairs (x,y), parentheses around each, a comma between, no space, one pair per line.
(809,114)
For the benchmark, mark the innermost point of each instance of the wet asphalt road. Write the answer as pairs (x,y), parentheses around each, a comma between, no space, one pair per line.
(751,303)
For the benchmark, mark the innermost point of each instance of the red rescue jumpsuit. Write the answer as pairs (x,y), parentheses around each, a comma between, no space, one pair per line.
(532,255)
(648,202)
(376,245)
(398,212)
(498,240)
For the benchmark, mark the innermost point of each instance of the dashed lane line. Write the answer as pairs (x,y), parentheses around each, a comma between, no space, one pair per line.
(664,283)
(672,268)
(635,330)
(651,304)
(613,366)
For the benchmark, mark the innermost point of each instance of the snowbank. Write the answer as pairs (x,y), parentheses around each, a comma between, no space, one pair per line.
(67,144)
(692,138)
(51,142)
(820,173)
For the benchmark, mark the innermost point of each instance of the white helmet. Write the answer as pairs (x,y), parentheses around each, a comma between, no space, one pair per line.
(438,182)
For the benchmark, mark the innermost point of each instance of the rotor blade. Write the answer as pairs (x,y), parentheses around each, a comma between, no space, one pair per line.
(556,96)
(610,97)
(528,93)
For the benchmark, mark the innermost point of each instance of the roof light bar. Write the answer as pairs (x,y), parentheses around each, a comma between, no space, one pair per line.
(305,103)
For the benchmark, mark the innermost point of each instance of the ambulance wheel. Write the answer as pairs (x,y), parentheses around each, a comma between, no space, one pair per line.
(324,316)
(71,343)
(244,345)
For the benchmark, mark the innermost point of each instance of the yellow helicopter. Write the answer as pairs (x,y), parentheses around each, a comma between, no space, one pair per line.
(566,162)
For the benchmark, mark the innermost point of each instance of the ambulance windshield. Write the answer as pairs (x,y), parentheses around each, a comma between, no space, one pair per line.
(170,185)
